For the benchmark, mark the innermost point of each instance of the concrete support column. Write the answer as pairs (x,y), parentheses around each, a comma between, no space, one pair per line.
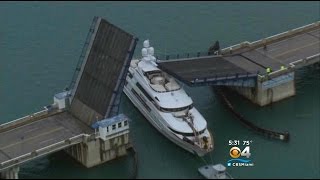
(11,173)
(97,151)
(269,90)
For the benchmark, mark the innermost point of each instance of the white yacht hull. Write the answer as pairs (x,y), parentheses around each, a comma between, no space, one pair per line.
(155,119)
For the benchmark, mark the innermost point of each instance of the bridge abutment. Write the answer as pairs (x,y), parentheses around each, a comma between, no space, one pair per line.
(97,151)
(11,173)
(269,89)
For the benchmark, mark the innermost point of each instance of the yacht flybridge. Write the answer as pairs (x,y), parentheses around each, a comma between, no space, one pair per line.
(166,105)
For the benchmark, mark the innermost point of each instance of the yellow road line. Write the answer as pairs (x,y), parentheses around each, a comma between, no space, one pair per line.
(34,137)
(292,50)
(47,140)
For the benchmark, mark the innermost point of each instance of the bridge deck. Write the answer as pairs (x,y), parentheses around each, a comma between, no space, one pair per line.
(96,89)
(292,49)
(206,67)
(254,58)
(39,134)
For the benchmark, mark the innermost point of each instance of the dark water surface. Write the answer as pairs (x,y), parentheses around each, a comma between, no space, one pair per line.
(40,43)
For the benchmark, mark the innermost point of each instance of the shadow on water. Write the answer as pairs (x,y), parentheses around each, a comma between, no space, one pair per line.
(61,165)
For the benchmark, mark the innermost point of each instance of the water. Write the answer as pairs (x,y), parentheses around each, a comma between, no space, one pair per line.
(40,43)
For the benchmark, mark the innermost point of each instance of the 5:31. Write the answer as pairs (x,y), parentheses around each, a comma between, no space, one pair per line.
(234,142)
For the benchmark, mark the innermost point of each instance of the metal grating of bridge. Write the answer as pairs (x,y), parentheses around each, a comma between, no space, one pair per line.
(211,69)
(102,73)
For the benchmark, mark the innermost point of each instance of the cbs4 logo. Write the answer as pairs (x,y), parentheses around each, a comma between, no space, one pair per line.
(236,152)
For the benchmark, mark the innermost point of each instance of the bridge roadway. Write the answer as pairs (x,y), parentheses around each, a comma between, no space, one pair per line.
(37,133)
(292,49)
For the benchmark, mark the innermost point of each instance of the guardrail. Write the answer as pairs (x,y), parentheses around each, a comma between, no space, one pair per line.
(84,51)
(302,62)
(245,44)
(224,78)
(45,150)
(180,56)
(293,65)
(270,39)
(28,119)
(23,119)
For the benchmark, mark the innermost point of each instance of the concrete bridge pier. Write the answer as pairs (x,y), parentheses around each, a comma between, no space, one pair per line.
(269,89)
(11,173)
(96,151)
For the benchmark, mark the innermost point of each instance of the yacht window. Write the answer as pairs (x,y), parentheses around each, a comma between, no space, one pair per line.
(141,100)
(113,127)
(176,109)
(187,134)
(119,125)
(129,74)
(150,74)
(144,92)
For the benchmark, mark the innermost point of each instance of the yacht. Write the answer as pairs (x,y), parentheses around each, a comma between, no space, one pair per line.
(166,105)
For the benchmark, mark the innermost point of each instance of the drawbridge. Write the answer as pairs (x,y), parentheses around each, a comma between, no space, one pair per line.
(243,64)
(94,94)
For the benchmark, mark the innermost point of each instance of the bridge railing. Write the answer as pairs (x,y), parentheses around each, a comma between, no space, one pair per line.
(25,118)
(233,76)
(306,61)
(183,55)
(28,119)
(270,39)
(83,54)
(241,45)
(293,65)
(22,120)
(45,150)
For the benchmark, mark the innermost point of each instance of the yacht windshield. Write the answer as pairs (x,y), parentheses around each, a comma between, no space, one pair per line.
(176,109)
(188,134)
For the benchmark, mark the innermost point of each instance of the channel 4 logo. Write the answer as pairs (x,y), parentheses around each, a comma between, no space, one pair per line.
(235,153)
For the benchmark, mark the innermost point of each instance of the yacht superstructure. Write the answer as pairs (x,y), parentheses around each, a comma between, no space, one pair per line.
(166,105)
